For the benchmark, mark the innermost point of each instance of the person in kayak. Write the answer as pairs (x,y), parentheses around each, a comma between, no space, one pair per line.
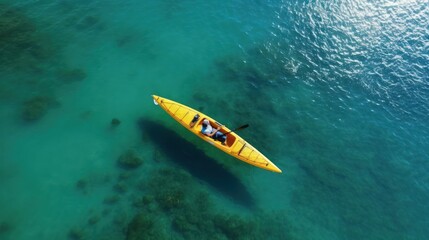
(208,130)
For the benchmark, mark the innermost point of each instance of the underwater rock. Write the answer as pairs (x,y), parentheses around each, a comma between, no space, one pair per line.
(34,109)
(191,222)
(170,199)
(115,122)
(234,227)
(76,234)
(174,188)
(5,228)
(141,223)
(129,160)
(106,212)
(124,176)
(181,225)
(120,187)
(106,179)
(143,227)
(111,200)
(124,40)
(120,220)
(22,46)
(202,202)
(144,201)
(82,185)
(37,107)
(71,75)
(93,220)
(137,203)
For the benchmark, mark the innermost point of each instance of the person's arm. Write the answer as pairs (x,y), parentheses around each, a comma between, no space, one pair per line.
(214,132)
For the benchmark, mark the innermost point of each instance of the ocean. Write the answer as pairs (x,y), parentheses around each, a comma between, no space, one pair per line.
(336,94)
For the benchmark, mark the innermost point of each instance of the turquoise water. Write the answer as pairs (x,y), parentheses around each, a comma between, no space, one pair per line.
(336,94)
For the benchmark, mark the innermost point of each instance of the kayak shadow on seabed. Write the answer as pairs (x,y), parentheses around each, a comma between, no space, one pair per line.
(196,162)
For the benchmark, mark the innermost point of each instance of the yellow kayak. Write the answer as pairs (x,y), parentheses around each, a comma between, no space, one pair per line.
(235,145)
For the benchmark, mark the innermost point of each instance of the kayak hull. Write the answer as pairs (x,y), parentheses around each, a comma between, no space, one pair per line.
(235,145)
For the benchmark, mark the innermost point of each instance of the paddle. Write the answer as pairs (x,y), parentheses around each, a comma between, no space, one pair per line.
(239,128)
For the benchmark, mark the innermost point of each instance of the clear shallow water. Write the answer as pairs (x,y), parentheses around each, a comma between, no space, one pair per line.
(343,86)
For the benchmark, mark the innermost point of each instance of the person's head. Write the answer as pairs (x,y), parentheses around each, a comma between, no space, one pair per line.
(206,123)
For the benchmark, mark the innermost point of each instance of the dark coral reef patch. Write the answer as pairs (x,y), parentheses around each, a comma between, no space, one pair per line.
(36,107)
(129,159)
(21,45)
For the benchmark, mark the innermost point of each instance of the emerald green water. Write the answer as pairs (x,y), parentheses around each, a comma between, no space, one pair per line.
(337,102)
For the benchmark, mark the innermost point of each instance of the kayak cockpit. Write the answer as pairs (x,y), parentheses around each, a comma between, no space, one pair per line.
(230,138)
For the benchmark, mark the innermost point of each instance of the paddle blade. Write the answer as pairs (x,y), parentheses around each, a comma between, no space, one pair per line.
(242,127)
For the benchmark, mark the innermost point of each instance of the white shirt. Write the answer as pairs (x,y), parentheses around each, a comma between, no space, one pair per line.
(207,130)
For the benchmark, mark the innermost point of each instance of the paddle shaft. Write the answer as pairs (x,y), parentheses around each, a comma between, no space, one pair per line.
(239,128)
